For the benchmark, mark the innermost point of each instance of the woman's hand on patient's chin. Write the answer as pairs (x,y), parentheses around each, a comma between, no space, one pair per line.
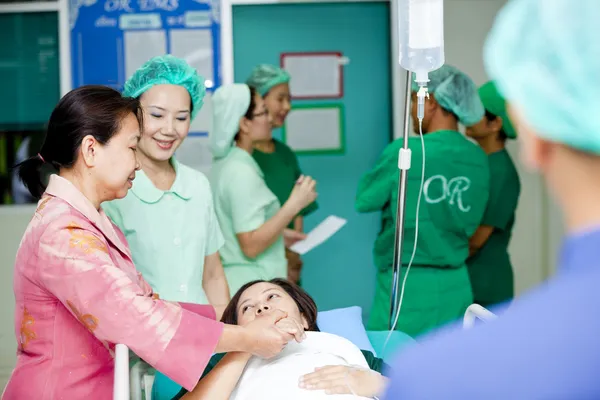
(265,339)
(292,327)
(342,379)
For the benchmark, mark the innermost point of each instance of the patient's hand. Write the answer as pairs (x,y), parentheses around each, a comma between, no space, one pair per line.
(342,379)
(292,327)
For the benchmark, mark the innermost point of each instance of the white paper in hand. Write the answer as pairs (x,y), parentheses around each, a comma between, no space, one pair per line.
(319,234)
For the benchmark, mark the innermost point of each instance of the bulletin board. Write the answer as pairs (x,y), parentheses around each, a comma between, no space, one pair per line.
(315,75)
(315,129)
(110,39)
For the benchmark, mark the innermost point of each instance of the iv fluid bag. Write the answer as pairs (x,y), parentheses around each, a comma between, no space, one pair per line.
(421,35)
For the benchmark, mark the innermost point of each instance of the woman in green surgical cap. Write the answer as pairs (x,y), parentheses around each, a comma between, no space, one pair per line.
(168,216)
(253,221)
(277,161)
(454,198)
(489,264)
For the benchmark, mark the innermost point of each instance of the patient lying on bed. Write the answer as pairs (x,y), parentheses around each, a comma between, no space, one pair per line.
(313,365)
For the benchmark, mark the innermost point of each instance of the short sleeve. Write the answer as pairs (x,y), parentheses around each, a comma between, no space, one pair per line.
(75,265)
(374,188)
(502,202)
(249,197)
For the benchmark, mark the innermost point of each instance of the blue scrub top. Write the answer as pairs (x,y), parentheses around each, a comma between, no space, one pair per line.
(545,346)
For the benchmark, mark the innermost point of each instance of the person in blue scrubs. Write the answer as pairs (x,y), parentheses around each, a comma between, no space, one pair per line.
(544,56)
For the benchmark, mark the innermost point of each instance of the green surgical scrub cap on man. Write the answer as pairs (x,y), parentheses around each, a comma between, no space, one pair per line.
(456,92)
(494,103)
(229,103)
(545,59)
(167,69)
(264,77)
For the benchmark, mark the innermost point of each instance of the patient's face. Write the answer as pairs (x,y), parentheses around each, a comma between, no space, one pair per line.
(261,299)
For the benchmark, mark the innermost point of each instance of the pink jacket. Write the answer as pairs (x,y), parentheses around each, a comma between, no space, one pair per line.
(78,294)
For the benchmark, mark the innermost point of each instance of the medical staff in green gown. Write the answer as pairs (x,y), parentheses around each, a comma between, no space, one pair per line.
(489,266)
(277,160)
(453,200)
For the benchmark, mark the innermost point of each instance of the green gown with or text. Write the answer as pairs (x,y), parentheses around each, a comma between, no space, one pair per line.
(455,193)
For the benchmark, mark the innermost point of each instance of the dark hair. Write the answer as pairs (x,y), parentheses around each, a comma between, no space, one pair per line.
(251,108)
(89,110)
(492,117)
(305,303)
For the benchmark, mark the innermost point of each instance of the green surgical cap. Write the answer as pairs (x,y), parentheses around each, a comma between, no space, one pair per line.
(494,102)
(545,59)
(455,92)
(264,77)
(167,69)
(229,103)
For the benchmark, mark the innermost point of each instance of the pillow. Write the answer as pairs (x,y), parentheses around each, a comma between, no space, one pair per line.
(344,322)
(347,323)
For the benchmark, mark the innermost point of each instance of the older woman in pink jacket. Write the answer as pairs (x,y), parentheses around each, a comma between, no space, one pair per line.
(76,288)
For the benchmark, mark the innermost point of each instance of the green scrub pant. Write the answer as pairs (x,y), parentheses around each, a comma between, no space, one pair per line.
(432,297)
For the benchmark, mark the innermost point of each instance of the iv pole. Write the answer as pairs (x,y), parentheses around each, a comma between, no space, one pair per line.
(401,207)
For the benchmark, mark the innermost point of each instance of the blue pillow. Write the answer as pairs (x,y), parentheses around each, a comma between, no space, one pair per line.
(347,323)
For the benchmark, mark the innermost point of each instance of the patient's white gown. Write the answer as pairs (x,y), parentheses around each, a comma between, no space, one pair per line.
(277,378)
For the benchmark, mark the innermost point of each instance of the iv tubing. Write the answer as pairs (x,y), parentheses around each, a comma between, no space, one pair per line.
(401,206)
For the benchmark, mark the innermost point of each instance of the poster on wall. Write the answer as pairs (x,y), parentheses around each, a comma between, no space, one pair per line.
(315,75)
(315,129)
(110,39)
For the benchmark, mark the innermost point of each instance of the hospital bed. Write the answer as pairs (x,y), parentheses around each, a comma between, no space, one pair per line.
(137,383)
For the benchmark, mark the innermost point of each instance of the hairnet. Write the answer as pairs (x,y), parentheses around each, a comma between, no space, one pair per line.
(494,102)
(545,58)
(455,92)
(167,69)
(264,77)
(229,103)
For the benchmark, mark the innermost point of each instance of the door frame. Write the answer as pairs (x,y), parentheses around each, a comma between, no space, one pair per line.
(398,74)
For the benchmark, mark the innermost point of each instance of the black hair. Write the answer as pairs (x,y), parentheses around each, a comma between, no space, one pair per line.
(306,304)
(86,111)
(492,117)
(251,108)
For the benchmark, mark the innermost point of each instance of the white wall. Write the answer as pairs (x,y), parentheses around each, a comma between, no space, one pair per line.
(538,229)
(13,221)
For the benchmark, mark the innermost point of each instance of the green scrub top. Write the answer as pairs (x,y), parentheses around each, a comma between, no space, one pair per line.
(490,268)
(455,194)
(243,203)
(281,171)
(170,232)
